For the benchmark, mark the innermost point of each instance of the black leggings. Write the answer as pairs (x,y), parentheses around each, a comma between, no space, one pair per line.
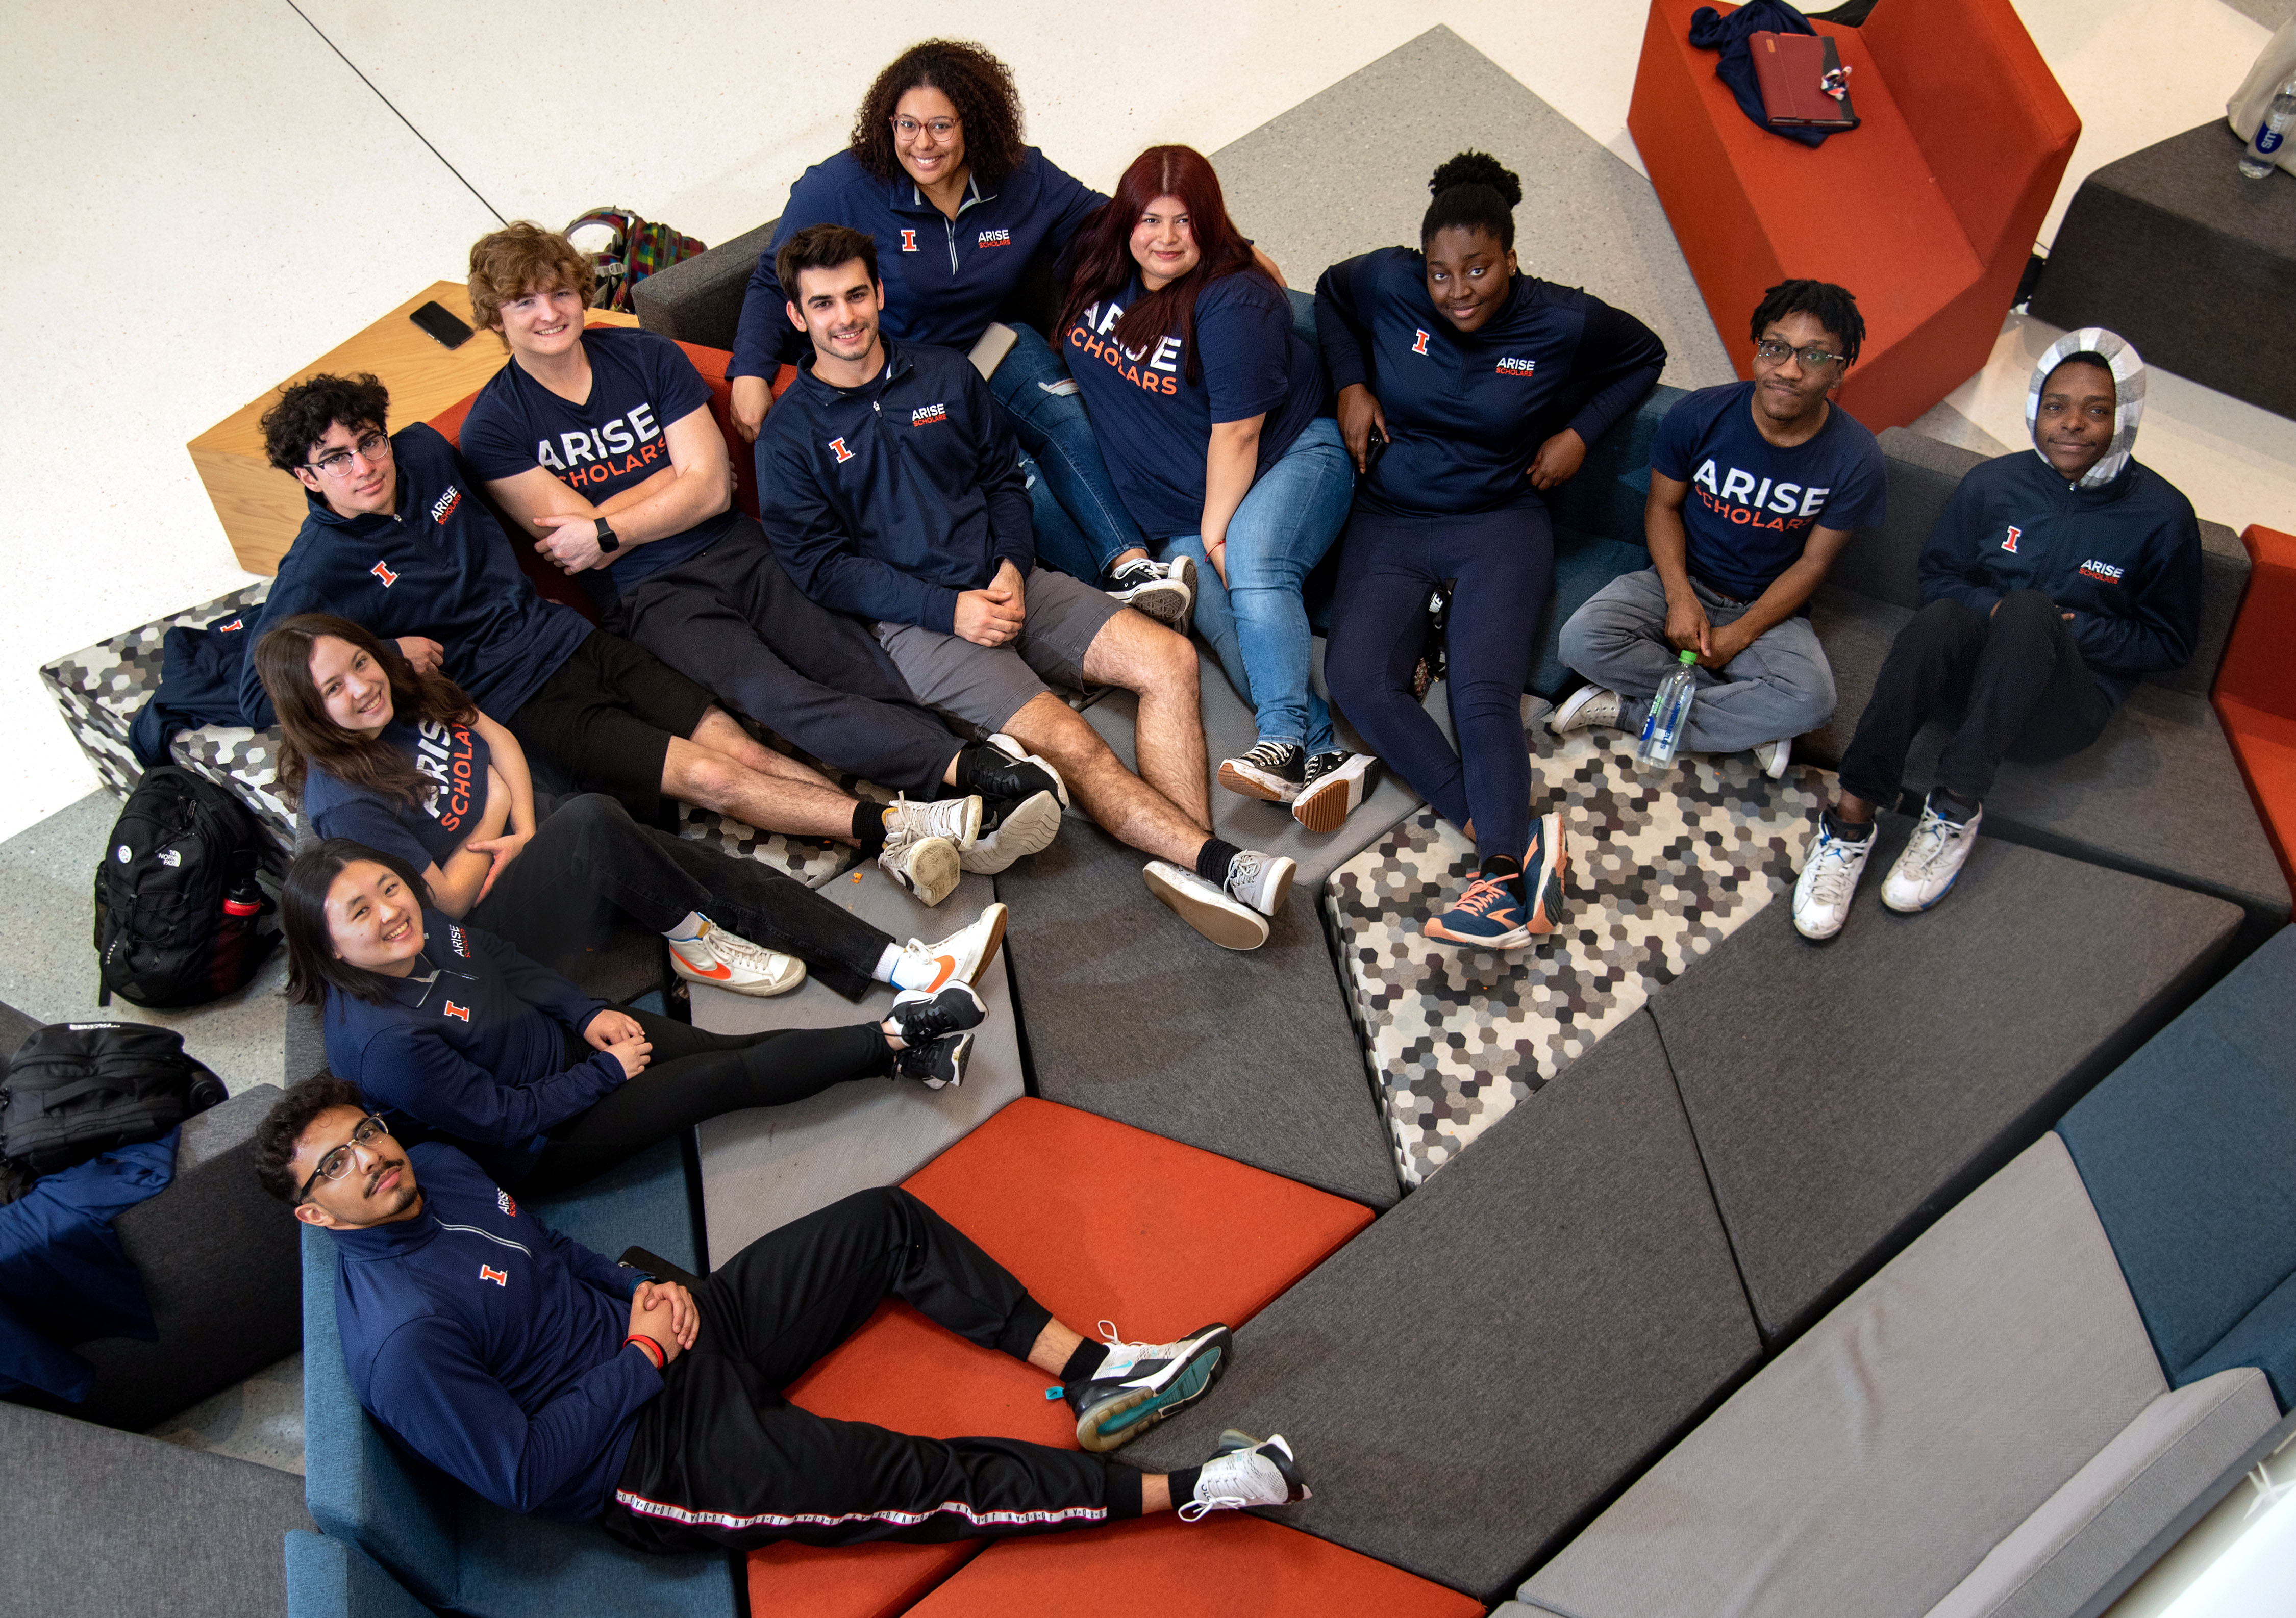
(695,1075)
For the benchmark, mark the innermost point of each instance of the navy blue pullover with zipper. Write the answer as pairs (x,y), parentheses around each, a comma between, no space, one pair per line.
(492,1345)
(472,1045)
(2124,559)
(887,500)
(440,566)
(1466,410)
(945,279)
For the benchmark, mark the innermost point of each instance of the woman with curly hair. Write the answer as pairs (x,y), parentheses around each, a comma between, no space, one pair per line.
(1467,391)
(403,761)
(961,207)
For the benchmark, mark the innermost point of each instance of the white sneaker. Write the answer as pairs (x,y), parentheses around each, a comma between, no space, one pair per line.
(1165,591)
(1337,782)
(957,819)
(1244,1471)
(1206,907)
(960,957)
(1262,880)
(732,963)
(1926,870)
(1585,708)
(1014,831)
(1830,869)
(925,844)
(1775,755)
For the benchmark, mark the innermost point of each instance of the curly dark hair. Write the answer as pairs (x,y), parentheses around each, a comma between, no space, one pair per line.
(307,409)
(282,1127)
(1475,192)
(976,83)
(1833,307)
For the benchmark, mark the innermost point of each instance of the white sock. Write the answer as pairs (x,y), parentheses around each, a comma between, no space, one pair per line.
(887,965)
(689,929)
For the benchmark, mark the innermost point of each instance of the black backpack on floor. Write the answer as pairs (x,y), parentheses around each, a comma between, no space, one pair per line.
(164,936)
(74,1090)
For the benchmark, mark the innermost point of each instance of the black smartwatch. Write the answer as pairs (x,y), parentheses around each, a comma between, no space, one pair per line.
(608,541)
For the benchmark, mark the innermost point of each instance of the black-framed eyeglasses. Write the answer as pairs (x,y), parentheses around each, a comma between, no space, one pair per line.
(1812,358)
(942,128)
(338,1163)
(374,448)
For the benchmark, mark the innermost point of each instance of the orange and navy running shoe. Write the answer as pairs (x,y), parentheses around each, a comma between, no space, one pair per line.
(1491,914)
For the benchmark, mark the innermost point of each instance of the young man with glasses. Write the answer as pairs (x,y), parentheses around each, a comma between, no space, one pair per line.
(553,1382)
(396,540)
(1755,487)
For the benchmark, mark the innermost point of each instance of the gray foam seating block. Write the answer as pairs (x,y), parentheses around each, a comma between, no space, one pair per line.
(2158,794)
(1468,1380)
(219,1262)
(1845,1094)
(1133,1015)
(763,1168)
(1981,1429)
(2171,248)
(699,299)
(103,1523)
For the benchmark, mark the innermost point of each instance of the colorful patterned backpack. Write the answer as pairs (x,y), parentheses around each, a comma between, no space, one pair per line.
(636,252)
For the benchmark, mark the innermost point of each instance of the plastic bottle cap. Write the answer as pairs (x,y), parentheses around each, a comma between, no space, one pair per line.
(242,907)
(1689,657)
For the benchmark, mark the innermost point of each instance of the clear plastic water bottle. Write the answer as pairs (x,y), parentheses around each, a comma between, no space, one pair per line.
(2263,154)
(1669,711)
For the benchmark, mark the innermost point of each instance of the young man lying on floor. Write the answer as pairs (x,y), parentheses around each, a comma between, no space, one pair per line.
(553,1382)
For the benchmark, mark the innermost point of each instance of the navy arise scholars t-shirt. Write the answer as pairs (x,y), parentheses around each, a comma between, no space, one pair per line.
(1154,424)
(1752,504)
(639,384)
(452,762)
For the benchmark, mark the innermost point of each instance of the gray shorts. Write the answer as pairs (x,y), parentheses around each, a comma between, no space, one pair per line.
(984,686)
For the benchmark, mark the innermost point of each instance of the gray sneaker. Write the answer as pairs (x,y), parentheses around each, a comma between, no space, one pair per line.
(1586,708)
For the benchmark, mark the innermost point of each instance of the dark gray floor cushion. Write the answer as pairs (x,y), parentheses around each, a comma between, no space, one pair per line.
(1844,1094)
(1468,1380)
(1130,1013)
(1661,869)
(762,1168)
(1979,1430)
(103,1523)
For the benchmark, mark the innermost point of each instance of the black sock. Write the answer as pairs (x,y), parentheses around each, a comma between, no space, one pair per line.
(1848,831)
(869,826)
(1212,860)
(1183,1484)
(1499,868)
(1952,805)
(1083,1362)
(968,769)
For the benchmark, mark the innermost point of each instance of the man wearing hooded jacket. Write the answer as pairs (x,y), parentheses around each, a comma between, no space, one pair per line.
(2051,583)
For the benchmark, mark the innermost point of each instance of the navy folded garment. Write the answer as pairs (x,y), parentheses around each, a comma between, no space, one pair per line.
(1710,31)
(199,684)
(64,1277)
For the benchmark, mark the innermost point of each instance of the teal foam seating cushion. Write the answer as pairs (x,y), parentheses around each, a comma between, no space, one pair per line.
(330,1579)
(448,1549)
(2188,1150)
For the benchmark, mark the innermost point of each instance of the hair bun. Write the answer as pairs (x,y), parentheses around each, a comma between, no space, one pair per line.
(1477,169)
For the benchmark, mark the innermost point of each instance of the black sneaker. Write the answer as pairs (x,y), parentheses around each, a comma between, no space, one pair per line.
(1336,783)
(1139,1384)
(1275,771)
(1165,591)
(1002,769)
(939,1064)
(926,1015)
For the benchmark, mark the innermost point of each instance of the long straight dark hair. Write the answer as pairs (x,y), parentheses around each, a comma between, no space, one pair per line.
(310,740)
(1102,253)
(312,966)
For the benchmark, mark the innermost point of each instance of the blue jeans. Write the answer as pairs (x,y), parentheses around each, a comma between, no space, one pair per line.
(1258,623)
(1080,520)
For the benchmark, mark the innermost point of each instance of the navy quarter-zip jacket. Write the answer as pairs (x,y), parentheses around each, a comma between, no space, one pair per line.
(887,500)
(1467,411)
(945,279)
(441,567)
(2124,559)
(492,1345)
(477,1051)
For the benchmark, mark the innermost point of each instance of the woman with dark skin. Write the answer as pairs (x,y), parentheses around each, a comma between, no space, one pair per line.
(1466,391)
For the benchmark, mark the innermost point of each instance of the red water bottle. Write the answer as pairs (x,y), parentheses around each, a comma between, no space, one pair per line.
(242,906)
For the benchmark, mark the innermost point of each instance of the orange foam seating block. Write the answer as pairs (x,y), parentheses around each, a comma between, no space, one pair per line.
(2256,695)
(1099,1220)
(1927,211)
(1156,1568)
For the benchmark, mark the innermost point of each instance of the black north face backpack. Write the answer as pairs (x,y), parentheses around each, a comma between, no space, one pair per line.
(76,1089)
(179,912)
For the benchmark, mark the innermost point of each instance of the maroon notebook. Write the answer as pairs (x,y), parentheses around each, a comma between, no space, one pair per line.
(1789,70)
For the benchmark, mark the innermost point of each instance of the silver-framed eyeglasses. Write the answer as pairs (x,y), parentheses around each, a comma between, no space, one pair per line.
(338,1163)
(374,448)
(942,128)
(1812,358)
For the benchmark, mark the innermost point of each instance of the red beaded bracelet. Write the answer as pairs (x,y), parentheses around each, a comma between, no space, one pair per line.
(650,1348)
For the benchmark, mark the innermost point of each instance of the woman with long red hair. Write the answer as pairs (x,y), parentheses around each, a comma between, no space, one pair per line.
(1205,400)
